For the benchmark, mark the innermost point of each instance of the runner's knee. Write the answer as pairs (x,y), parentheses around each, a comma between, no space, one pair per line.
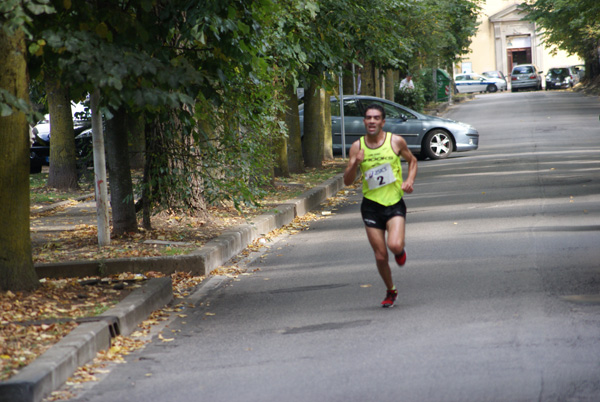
(396,247)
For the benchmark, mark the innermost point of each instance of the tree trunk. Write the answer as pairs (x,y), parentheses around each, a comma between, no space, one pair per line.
(137,140)
(63,162)
(173,172)
(389,84)
(119,175)
(280,166)
(292,121)
(592,63)
(327,136)
(349,81)
(100,181)
(16,265)
(150,133)
(312,145)
(377,81)
(369,83)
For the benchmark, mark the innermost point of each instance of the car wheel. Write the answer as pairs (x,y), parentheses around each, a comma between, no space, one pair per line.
(491,88)
(35,163)
(437,144)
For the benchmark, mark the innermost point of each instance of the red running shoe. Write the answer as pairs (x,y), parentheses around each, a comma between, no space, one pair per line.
(401,258)
(390,298)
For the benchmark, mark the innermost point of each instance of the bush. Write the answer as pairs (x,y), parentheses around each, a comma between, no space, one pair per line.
(411,98)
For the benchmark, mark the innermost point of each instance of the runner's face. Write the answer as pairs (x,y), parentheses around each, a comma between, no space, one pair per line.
(373,122)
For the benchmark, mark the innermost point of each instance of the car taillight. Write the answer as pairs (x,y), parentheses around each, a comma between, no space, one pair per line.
(532,77)
(513,78)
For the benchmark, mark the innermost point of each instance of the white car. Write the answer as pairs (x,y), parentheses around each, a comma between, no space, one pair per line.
(80,122)
(466,83)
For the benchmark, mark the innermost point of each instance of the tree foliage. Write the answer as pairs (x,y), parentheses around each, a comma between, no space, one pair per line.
(573,26)
(207,76)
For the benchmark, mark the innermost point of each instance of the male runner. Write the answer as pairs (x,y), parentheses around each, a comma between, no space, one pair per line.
(383,209)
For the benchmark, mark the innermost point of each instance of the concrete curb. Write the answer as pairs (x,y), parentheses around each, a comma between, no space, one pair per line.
(49,371)
(213,254)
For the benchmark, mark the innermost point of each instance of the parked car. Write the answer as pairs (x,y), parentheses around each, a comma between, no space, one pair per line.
(41,131)
(496,74)
(525,76)
(35,161)
(426,136)
(472,82)
(561,77)
(580,70)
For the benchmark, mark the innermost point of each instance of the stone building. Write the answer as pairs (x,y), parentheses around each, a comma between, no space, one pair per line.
(505,39)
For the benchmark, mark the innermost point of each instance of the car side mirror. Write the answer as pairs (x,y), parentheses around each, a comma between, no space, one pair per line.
(403,117)
(540,72)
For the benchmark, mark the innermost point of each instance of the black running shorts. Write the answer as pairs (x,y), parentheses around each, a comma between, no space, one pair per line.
(376,215)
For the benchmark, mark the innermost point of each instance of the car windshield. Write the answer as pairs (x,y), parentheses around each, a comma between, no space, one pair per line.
(392,112)
(350,108)
(558,71)
(523,70)
(492,74)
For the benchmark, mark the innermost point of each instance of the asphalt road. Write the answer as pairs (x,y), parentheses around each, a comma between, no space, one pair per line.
(499,299)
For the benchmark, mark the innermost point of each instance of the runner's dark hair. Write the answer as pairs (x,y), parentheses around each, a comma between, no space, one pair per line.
(376,106)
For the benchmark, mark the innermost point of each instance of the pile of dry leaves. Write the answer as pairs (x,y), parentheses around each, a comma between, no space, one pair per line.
(31,322)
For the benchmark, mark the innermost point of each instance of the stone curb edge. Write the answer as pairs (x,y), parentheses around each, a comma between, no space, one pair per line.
(213,254)
(50,370)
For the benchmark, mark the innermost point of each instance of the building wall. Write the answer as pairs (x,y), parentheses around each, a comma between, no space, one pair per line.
(502,32)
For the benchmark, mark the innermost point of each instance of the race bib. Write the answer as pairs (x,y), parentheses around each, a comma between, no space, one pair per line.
(379,176)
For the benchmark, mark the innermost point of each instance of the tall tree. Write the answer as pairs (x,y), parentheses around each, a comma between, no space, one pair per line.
(573,26)
(287,33)
(292,122)
(312,145)
(16,265)
(63,167)
(326,117)
(112,46)
(121,188)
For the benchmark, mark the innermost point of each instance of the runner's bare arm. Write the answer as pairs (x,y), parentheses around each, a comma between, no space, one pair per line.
(400,147)
(356,156)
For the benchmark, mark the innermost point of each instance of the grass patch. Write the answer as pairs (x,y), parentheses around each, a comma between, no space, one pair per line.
(40,193)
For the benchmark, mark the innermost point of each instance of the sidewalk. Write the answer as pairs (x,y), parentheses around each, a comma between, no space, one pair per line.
(199,262)
(49,371)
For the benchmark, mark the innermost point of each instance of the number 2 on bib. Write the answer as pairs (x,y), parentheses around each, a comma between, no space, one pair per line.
(379,176)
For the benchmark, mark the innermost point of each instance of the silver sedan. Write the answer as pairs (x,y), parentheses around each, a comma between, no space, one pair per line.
(427,136)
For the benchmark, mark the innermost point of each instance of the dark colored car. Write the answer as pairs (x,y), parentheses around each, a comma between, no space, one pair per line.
(35,163)
(525,76)
(426,136)
(561,78)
